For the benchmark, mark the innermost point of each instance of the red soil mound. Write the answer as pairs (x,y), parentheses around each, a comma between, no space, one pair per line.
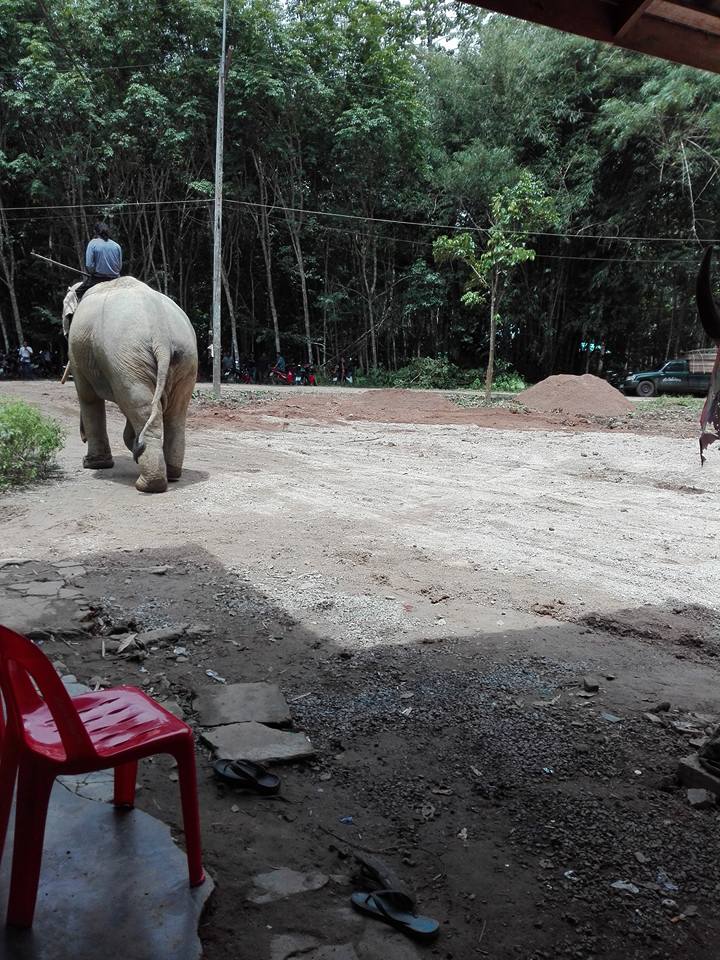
(587,396)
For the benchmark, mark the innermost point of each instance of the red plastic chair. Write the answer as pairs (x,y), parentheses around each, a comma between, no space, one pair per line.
(48,734)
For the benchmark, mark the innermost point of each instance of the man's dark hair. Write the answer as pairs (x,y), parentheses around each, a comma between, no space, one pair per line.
(102,230)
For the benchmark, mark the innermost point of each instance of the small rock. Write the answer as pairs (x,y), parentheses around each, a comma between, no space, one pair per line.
(161,635)
(669,904)
(159,571)
(700,799)
(654,718)
(662,707)
(642,858)
(590,684)
(281,883)
(624,887)
(611,718)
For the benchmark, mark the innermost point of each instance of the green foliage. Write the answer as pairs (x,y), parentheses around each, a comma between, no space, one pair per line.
(508,382)
(440,373)
(428,373)
(540,147)
(28,443)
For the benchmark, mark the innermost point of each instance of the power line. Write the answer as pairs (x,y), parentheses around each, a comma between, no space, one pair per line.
(613,238)
(356,218)
(108,203)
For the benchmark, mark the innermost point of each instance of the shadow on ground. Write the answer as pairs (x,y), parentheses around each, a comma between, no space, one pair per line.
(126,472)
(475,767)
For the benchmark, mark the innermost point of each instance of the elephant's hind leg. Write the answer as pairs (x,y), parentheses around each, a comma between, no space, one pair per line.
(174,425)
(147,439)
(93,428)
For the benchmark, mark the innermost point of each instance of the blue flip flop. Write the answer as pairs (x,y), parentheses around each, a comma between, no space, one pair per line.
(398,910)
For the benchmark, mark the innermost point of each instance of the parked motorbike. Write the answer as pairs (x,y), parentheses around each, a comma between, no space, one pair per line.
(281,377)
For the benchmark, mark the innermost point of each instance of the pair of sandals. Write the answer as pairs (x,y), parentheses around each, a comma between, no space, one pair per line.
(246,775)
(393,907)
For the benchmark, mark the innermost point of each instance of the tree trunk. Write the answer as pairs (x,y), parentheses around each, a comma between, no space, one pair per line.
(231,313)
(262,221)
(297,247)
(3,330)
(7,262)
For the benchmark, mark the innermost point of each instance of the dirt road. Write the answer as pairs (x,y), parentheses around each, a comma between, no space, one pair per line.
(481,571)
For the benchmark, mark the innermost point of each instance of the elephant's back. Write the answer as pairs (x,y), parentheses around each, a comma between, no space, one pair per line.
(125,315)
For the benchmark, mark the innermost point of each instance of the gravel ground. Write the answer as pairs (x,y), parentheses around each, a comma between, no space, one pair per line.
(429,597)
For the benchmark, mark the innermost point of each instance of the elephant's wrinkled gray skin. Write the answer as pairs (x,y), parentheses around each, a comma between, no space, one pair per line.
(134,346)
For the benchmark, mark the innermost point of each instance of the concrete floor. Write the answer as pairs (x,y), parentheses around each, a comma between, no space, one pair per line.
(113,884)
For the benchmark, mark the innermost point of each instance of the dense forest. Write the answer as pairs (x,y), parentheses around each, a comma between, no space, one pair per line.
(358,133)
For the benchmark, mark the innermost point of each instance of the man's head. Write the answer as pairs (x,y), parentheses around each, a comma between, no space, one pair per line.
(102,230)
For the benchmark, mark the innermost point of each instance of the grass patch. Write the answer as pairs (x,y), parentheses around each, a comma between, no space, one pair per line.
(674,403)
(473,401)
(232,398)
(28,443)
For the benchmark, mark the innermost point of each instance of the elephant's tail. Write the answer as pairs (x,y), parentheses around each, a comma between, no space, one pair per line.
(162,358)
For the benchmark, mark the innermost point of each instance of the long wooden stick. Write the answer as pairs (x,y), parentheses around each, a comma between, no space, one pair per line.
(56,263)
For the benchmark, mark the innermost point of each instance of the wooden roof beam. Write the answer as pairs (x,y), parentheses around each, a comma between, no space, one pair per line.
(627,17)
(596,19)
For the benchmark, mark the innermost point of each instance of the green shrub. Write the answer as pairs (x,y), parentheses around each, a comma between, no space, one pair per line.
(28,443)
(440,373)
(509,382)
(376,377)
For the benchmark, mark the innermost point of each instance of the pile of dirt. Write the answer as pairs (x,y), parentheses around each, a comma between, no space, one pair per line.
(585,396)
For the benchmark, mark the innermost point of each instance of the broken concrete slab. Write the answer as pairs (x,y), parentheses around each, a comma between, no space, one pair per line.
(113,883)
(43,616)
(294,946)
(701,799)
(254,741)
(241,702)
(16,561)
(291,945)
(282,883)
(693,775)
(174,707)
(98,786)
(38,588)
(380,941)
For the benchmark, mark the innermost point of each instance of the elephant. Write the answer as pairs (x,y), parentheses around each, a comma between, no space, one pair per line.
(134,346)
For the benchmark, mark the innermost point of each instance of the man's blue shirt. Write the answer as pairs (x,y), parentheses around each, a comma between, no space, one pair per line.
(103,257)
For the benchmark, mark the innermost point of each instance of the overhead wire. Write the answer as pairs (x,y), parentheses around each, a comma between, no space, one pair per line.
(280,208)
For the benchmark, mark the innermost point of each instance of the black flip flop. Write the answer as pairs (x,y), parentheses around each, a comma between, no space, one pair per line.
(247,775)
(397,909)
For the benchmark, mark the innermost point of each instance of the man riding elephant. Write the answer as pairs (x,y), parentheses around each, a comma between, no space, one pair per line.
(134,346)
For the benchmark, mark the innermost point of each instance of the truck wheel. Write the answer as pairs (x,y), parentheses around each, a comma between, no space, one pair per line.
(646,388)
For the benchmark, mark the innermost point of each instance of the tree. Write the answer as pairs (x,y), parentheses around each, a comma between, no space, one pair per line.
(516,212)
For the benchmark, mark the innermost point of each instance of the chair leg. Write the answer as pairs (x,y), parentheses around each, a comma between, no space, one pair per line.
(33,796)
(8,776)
(125,777)
(187,776)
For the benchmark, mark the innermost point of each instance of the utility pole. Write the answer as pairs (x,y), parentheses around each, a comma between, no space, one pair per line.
(217,219)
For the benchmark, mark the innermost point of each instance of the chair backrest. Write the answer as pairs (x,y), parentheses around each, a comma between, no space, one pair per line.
(25,670)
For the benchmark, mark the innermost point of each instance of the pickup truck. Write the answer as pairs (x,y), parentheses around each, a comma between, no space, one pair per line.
(674,377)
